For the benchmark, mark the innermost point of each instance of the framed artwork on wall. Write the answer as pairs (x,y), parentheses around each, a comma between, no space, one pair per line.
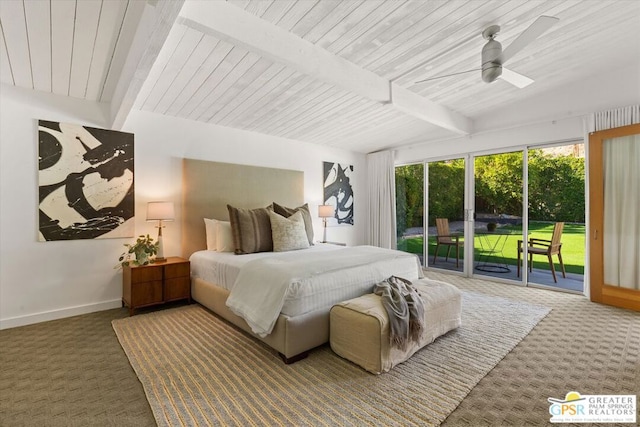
(85,182)
(338,191)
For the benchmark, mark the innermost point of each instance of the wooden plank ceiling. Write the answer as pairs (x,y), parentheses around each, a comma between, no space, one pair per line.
(72,48)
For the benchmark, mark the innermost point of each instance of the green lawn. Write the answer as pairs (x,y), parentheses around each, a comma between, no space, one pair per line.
(573,245)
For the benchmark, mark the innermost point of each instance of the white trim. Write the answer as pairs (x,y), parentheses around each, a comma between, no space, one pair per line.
(524,278)
(425,215)
(45,316)
(520,147)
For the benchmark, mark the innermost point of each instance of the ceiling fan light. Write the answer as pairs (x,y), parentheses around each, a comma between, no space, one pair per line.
(491,71)
(491,61)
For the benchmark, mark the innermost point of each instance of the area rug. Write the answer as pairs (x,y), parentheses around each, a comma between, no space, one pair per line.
(197,369)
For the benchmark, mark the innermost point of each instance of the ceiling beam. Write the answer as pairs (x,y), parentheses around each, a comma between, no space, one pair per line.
(151,25)
(232,24)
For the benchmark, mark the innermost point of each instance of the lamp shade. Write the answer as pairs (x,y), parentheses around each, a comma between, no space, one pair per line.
(325,211)
(160,211)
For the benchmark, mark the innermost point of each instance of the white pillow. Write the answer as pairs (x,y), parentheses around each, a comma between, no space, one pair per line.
(210,230)
(288,233)
(224,238)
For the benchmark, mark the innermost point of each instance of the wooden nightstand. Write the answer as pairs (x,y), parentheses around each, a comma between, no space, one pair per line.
(153,284)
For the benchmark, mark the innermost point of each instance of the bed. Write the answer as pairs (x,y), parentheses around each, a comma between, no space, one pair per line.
(302,324)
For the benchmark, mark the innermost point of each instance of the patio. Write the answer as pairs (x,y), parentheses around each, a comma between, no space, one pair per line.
(539,276)
(573,282)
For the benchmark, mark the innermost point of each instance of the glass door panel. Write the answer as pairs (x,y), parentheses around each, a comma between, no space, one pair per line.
(498,214)
(410,209)
(445,231)
(556,241)
(614,197)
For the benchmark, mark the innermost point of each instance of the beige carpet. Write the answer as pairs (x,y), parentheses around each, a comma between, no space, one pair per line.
(198,370)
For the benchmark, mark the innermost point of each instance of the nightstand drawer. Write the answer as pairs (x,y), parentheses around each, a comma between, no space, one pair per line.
(145,293)
(177,270)
(158,283)
(146,274)
(178,288)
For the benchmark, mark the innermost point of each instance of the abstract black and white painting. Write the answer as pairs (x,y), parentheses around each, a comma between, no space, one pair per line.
(85,179)
(338,191)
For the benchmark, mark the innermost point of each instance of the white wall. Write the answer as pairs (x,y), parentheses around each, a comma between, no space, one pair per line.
(553,116)
(547,132)
(48,280)
(162,142)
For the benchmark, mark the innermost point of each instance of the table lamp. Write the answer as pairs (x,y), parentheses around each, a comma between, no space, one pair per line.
(324,212)
(160,211)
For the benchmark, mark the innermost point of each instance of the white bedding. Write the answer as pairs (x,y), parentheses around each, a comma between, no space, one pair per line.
(298,282)
(222,268)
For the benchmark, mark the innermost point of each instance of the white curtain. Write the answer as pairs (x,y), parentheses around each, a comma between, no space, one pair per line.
(615,118)
(381,179)
(622,267)
(621,209)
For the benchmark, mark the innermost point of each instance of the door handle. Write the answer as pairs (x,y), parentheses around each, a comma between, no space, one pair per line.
(595,234)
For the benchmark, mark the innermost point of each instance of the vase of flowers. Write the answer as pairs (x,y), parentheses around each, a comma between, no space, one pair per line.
(139,253)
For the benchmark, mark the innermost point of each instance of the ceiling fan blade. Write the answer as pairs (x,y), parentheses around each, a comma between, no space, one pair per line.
(515,79)
(535,30)
(446,75)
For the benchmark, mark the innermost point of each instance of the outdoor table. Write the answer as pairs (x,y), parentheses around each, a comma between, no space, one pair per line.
(492,248)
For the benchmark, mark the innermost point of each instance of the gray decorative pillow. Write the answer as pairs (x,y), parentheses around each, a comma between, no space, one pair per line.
(251,229)
(288,233)
(306,215)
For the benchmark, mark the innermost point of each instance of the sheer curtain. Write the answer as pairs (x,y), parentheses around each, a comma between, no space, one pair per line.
(622,198)
(621,209)
(381,180)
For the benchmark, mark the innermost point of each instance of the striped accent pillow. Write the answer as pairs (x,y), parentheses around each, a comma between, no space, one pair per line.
(251,229)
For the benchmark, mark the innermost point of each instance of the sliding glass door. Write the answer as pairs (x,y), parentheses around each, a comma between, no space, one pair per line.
(468,215)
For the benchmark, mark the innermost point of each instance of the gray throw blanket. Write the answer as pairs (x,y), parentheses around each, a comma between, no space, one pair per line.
(405,309)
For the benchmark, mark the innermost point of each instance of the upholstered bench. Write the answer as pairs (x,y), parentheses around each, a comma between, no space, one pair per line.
(359,328)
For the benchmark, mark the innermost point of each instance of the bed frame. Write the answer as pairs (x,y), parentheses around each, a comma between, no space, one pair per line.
(207,189)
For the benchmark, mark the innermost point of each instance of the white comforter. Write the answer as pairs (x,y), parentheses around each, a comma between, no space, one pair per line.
(262,285)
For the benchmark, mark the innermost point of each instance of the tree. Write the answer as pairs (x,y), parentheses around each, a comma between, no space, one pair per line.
(409,197)
(499,183)
(446,190)
(556,187)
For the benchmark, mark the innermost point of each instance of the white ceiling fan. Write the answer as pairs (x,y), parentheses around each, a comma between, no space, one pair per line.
(493,57)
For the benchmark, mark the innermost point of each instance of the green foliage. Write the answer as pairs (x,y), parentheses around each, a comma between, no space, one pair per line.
(409,197)
(556,188)
(143,249)
(499,183)
(446,190)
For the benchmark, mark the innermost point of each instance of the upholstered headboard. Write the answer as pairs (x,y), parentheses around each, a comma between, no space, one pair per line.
(207,188)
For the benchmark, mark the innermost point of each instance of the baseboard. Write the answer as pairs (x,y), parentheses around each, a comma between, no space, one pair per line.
(45,316)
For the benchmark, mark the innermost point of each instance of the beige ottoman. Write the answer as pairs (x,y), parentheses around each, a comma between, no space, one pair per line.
(359,328)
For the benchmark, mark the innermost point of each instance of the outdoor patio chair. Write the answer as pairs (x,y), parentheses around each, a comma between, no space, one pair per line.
(445,238)
(545,247)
